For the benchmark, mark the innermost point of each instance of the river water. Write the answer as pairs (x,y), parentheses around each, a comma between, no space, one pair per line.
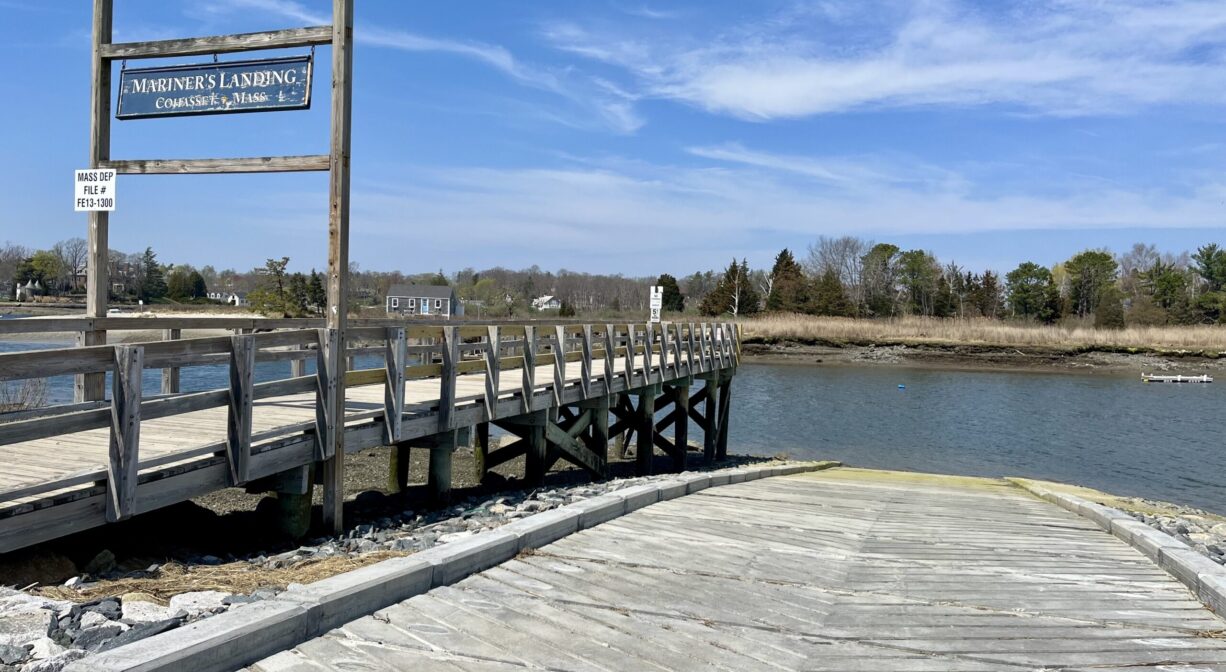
(1108,432)
(1103,431)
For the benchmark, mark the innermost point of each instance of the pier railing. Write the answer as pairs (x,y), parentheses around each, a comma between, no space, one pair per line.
(610,356)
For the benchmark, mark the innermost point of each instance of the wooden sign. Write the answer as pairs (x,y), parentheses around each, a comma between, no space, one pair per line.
(265,85)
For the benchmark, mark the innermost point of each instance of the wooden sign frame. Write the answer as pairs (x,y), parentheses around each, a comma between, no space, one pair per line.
(339,35)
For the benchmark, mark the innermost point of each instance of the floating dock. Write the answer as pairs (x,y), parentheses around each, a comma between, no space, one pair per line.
(1150,378)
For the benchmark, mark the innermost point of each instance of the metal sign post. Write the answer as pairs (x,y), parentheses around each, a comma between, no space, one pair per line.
(657,303)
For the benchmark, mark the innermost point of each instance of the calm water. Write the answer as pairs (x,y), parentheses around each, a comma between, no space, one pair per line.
(1108,432)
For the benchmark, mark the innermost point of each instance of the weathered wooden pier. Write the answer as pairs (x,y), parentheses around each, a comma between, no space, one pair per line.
(562,389)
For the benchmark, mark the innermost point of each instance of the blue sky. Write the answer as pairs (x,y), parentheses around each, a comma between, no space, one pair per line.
(632,137)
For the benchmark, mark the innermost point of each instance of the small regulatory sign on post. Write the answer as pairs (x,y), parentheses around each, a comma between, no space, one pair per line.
(657,302)
(95,190)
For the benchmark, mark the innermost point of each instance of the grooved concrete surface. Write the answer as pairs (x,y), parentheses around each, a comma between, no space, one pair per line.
(843,569)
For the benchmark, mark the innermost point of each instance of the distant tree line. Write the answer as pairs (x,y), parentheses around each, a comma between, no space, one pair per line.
(852,277)
(845,276)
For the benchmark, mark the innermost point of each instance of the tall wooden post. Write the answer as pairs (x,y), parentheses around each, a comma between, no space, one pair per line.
(681,424)
(711,415)
(92,386)
(644,454)
(338,248)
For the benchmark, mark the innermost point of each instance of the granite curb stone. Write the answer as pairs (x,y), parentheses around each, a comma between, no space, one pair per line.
(1205,578)
(599,510)
(544,528)
(456,560)
(224,642)
(639,496)
(341,598)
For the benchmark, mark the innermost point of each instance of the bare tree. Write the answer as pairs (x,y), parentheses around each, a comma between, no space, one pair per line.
(10,258)
(73,255)
(844,256)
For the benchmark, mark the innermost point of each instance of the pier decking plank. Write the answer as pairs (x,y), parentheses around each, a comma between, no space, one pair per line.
(843,569)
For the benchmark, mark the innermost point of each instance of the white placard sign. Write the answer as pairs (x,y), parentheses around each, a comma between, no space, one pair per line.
(94,190)
(657,302)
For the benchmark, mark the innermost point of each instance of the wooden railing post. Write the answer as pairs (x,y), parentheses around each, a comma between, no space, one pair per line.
(327,363)
(528,384)
(170,375)
(630,348)
(559,363)
(297,367)
(493,371)
(689,350)
(708,363)
(725,356)
(656,332)
(446,394)
(610,351)
(124,460)
(238,427)
(649,337)
(585,367)
(395,359)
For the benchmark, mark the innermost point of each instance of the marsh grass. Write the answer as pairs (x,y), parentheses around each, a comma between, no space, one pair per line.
(1209,339)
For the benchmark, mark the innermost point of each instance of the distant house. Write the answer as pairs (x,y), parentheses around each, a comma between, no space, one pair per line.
(423,301)
(230,298)
(547,302)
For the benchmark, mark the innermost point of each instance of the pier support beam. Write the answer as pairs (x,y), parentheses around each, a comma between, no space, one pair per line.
(681,423)
(596,438)
(438,480)
(725,406)
(481,450)
(646,430)
(711,417)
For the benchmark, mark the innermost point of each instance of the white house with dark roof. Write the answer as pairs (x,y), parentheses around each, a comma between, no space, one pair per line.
(423,301)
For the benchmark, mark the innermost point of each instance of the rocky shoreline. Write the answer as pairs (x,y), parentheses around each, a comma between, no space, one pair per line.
(979,358)
(44,630)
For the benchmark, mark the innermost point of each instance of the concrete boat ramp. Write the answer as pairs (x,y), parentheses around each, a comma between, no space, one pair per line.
(793,567)
(843,569)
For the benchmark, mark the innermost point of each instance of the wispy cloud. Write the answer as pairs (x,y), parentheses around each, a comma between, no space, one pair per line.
(1056,57)
(744,200)
(608,106)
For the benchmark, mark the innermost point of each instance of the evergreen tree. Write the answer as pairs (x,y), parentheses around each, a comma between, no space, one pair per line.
(317,296)
(1090,272)
(829,297)
(1211,265)
(567,309)
(1027,289)
(154,284)
(298,294)
(985,294)
(788,286)
(178,285)
(196,287)
(672,300)
(1110,313)
(733,295)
